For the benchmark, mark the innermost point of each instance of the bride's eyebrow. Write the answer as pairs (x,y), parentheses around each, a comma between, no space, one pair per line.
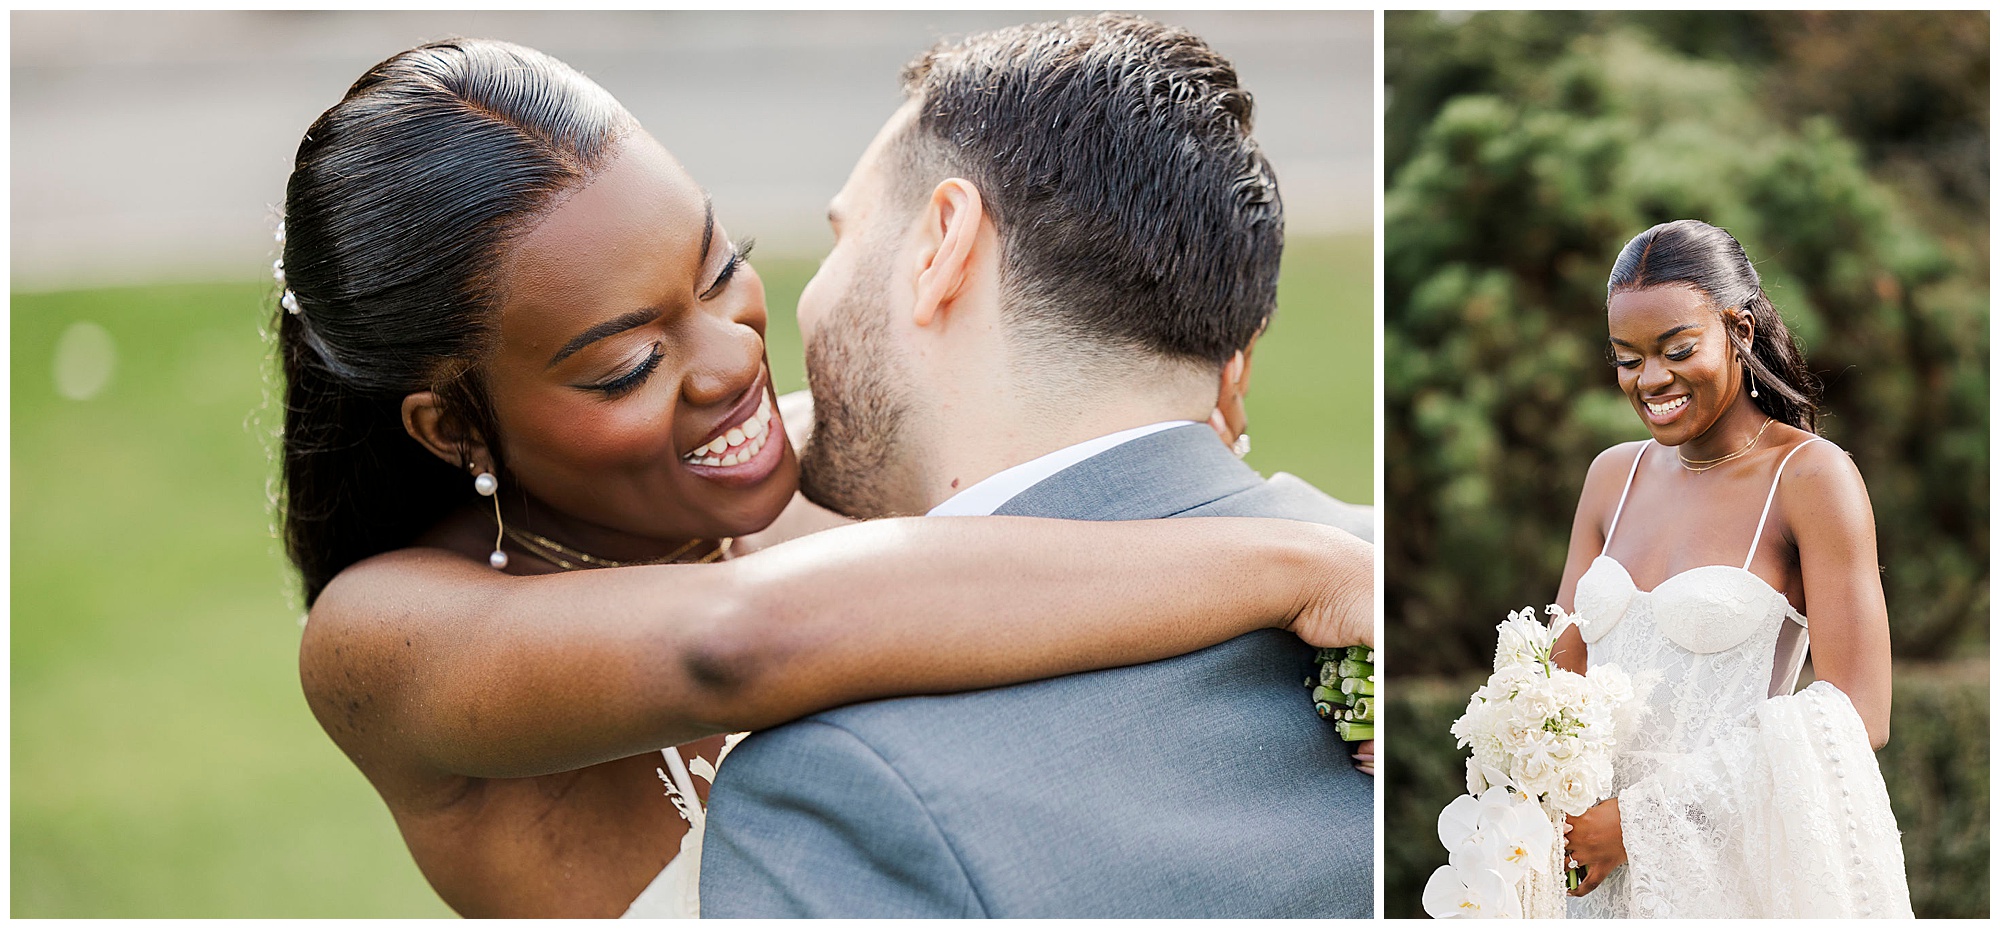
(610,327)
(1662,337)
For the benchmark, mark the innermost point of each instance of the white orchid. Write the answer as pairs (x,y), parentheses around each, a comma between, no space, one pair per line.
(1512,831)
(1458,822)
(1479,894)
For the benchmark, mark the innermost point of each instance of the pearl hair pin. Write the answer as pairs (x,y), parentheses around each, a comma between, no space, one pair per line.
(290,301)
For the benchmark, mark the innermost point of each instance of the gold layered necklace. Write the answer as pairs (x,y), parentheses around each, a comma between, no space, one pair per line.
(1691,465)
(571,559)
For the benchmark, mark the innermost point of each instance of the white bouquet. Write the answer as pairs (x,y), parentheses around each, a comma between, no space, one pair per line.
(1542,740)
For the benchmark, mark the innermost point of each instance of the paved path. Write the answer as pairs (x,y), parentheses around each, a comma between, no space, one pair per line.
(153,146)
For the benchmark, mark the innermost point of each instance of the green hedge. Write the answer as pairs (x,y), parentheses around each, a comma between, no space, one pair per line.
(1935,765)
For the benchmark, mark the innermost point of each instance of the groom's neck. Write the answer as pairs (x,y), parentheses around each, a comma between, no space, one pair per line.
(983,428)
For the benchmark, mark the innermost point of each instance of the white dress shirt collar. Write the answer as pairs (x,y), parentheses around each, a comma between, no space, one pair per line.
(983,498)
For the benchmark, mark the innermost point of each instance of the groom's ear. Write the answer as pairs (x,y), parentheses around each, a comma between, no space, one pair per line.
(949,241)
(1236,372)
(1243,370)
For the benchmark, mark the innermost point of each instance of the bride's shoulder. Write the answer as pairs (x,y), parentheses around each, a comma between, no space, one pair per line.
(1816,468)
(1821,494)
(1606,478)
(1614,462)
(1622,453)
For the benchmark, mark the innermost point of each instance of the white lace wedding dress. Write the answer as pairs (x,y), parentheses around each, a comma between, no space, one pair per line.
(1736,796)
(675,892)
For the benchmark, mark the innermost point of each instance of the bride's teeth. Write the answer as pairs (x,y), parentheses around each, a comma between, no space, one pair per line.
(743,442)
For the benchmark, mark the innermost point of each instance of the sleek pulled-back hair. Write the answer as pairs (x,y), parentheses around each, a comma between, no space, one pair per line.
(401,202)
(1692,253)
(1133,208)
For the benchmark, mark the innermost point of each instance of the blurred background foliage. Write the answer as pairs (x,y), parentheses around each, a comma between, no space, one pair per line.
(1848,153)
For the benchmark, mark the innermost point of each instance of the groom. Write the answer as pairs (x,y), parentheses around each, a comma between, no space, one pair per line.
(1049,265)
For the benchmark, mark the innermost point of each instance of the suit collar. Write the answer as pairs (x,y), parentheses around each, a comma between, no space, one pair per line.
(1151,477)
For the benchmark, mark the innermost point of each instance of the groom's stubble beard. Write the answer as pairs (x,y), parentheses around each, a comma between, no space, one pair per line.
(857,461)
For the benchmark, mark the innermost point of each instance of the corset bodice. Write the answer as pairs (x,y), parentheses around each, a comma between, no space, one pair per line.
(1703,643)
(1702,646)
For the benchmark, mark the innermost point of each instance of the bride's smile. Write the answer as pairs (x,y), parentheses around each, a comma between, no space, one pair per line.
(735,452)
(1664,410)
(1677,367)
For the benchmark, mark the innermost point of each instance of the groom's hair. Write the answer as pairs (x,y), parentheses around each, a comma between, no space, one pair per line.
(1114,154)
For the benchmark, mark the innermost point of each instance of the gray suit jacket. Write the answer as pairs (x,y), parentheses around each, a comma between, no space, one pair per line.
(1202,785)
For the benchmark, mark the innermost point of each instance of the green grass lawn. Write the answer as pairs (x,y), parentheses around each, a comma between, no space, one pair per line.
(164,762)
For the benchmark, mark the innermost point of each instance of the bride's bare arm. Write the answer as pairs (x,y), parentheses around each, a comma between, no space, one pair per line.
(453,668)
(1586,540)
(1829,519)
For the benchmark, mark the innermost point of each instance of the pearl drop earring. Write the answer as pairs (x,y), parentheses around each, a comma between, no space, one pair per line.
(1753,383)
(489,486)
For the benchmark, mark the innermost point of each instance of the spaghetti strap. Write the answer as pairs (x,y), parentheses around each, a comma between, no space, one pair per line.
(684,785)
(1623,493)
(1773,495)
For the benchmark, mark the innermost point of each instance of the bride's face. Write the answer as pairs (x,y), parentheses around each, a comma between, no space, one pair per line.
(1675,362)
(629,382)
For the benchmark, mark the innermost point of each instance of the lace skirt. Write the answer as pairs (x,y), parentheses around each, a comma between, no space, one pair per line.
(1784,816)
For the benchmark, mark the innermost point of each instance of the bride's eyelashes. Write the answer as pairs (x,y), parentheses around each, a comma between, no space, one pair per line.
(737,256)
(1679,354)
(630,380)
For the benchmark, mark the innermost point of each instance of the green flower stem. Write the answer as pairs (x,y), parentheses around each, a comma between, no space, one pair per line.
(1344,690)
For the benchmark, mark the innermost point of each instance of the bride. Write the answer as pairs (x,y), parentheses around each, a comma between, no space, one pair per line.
(517,343)
(1695,558)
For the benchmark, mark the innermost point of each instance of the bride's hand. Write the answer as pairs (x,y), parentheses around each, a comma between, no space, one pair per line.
(1364,757)
(1596,841)
(1339,607)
